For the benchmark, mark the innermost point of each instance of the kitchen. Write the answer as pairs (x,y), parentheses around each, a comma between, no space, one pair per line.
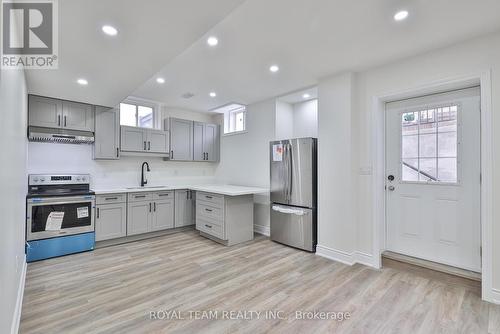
(242,167)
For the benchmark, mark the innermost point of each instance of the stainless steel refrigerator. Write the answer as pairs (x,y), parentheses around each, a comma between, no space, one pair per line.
(293,192)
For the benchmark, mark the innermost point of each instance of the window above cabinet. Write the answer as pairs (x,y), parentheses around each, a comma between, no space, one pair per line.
(137,114)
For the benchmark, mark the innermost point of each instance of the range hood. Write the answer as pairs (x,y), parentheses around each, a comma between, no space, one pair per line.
(52,135)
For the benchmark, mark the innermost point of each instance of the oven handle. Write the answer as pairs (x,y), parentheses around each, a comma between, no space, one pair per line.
(60,200)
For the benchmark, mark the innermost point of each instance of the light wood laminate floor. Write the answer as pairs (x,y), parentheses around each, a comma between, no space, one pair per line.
(114,289)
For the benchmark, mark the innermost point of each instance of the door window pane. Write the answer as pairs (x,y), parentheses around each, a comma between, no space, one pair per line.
(429,145)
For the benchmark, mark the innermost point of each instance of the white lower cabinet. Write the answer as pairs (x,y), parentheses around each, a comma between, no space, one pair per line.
(139,217)
(184,208)
(225,219)
(163,215)
(111,217)
(148,212)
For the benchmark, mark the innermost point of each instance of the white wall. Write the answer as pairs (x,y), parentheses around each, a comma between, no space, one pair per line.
(305,119)
(336,185)
(245,157)
(335,224)
(284,120)
(13,122)
(185,114)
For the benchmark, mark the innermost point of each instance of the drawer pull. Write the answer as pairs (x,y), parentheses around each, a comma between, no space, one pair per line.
(163,195)
(209,226)
(111,198)
(208,197)
(209,210)
(140,196)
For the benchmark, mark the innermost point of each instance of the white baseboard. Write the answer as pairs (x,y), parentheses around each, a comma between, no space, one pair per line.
(264,230)
(494,296)
(16,319)
(345,257)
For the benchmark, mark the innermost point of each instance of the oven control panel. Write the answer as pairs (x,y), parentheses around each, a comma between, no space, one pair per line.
(44,179)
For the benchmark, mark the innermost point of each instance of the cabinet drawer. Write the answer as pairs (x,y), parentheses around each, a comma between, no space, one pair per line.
(139,197)
(204,210)
(209,227)
(217,200)
(161,195)
(110,198)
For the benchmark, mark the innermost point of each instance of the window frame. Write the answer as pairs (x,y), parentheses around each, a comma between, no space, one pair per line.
(427,107)
(138,104)
(230,117)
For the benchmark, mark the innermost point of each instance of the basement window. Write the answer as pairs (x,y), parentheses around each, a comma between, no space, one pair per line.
(135,114)
(234,118)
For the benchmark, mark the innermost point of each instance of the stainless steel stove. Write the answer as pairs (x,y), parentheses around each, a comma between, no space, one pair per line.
(60,215)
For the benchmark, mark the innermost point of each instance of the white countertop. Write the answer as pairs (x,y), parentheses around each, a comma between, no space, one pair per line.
(222,189)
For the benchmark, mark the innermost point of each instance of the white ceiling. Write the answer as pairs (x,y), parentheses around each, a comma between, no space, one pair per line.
(151,34)
(300,95)
(309,40)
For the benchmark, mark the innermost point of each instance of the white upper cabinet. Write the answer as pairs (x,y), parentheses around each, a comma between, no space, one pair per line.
(107,134)
(54,113)
(45,112)
(143,140)
(181,139)
(77,116)
(157,141)
(133,139)
(206,142)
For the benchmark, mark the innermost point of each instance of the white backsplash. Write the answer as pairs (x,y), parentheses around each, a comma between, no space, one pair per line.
(50,158)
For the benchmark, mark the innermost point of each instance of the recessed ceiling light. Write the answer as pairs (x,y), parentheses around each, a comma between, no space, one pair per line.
(213,94)
(109,30)
(401,15)
(82,82)
(160,80)
(306,96)
(212,41)
(274,68)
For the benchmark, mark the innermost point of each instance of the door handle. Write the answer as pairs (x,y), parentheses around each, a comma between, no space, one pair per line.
(117,152)
(150,207)
(97,212)
(144,145)
(171,154)
(209,226)
(58,120)
(149,146)
(154,206)
(65,121)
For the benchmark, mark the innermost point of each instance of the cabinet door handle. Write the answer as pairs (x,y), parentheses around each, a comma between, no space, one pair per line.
(58,120)
(110,198)
(139,196)
(166,194)
(209,226)
(171,154)
(208,197)
(149,207)
(209,210)
(154,206)
(65,121)
(144,145)
(117,152)
(149,146)
(97,212)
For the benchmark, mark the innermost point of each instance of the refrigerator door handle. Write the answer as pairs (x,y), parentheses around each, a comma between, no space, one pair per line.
(298,212)
(290,168)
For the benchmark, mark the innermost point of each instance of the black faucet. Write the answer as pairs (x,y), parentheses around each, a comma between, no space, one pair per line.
(143,180)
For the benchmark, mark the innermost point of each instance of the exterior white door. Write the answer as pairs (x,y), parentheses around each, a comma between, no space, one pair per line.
(433,178)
